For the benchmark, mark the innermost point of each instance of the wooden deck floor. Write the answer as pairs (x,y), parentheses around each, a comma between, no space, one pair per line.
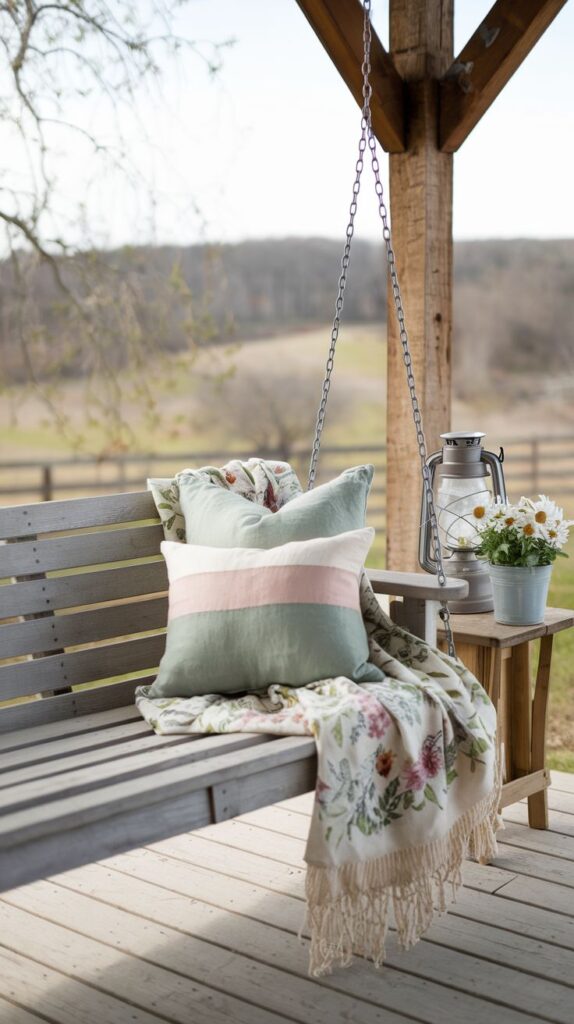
(202,929)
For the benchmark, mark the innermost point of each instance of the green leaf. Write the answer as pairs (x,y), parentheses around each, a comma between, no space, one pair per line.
(364,825)
(438,675)
(419,807)
(165,504)
(408,799)
(452,693)
(338,732)
(451,775)
(391,789)
(170,522)
(431,795)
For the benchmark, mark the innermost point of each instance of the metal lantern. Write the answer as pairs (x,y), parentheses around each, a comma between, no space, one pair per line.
(465,478)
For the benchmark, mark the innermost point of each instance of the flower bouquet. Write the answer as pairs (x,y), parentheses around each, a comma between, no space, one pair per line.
(521,542)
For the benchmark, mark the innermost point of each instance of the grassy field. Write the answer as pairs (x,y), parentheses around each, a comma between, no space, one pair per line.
(187,421)
(561,724)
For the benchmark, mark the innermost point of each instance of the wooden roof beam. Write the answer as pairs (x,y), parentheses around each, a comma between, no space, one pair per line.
(489,59)
(339,26)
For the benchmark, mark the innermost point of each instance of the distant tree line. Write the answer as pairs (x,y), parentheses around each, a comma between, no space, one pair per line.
(514,302)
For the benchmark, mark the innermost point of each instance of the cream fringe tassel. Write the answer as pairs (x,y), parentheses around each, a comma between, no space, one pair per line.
(414,882)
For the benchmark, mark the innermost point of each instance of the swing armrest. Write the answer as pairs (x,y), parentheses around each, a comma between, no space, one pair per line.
(418,586)
(421,593)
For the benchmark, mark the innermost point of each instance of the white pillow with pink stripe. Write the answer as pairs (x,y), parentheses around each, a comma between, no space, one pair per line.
(244,618)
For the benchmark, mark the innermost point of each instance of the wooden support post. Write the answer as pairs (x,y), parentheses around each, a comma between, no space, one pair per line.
(421,34)
(46,490)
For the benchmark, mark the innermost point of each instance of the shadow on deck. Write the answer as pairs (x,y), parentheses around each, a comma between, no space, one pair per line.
(202,929)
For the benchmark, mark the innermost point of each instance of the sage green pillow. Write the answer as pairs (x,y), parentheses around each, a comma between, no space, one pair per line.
(241,619)
(220,518)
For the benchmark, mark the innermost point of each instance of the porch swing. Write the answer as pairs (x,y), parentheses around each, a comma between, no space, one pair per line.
(86,777)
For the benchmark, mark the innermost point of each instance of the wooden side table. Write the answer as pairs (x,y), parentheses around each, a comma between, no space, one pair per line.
(499,656)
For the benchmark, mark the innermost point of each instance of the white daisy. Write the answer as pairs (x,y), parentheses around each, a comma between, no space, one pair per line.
(546,510)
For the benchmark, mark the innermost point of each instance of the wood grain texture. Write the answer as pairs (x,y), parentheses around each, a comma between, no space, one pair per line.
(148,985)
(179,950)
(34,556)
(483,67)
(261,904)
(75,514)
(129,807)
(60,998)
(222,908)
(82,589)
(62,763)
(156,789)
(524,786)
(538,802)
(53,633)
(421,213)
(472,966)
(541,841)
(31,740)
(63,748)
(54,710)
(520,717)
(110,834)
(338,25)
(88,776)
(482,630)
(227,922)
(12,1014)
(559,822)
(416,585)
(97,663)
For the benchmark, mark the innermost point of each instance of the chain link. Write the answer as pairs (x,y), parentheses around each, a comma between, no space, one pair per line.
(368,138)
(338,309)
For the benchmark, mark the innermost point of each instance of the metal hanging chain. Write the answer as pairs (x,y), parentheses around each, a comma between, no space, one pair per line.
(338,307)
(367,134)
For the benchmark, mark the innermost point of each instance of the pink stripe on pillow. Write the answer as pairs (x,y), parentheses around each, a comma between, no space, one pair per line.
(253,588)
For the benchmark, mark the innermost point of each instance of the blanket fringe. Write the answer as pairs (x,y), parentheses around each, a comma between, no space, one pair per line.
(348,907)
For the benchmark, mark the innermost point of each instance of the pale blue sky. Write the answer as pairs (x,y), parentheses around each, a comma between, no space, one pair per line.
(268,148)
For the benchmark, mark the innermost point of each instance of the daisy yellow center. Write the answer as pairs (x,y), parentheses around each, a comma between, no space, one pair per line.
(528,529)
(479,512)
(540,516)
(509,521)
(552,533)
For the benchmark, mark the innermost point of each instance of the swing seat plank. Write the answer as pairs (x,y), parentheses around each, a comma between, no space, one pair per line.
(82,624)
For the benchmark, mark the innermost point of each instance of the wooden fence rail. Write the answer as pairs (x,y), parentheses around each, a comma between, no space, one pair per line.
(532,465)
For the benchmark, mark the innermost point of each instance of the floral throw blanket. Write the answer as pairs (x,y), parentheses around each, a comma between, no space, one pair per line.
(408,781)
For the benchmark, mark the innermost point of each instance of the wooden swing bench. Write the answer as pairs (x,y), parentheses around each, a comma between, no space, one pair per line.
(82,776)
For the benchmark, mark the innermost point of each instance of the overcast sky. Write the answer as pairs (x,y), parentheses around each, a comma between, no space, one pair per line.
(268,147)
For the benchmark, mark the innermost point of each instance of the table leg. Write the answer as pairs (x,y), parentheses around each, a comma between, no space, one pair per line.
(538,802)
(520,709)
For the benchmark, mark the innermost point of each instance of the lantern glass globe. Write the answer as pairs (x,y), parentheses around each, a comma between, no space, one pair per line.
(459,503)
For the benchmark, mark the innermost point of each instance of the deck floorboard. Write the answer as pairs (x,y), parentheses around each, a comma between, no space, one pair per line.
(203,928)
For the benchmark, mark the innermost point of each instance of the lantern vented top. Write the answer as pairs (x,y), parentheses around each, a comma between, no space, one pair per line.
(463,438)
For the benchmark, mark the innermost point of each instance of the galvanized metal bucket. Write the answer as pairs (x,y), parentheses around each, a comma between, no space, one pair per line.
(520,593)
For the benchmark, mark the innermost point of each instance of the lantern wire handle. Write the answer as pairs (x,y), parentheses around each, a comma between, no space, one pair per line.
(367,138)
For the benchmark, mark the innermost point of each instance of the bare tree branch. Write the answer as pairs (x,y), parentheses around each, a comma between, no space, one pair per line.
(57,55)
